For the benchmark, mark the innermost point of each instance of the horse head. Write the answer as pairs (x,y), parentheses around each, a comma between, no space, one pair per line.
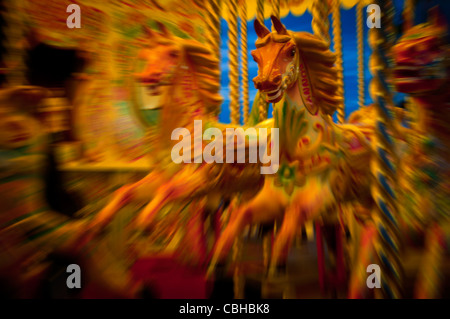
(421,56)
(277,57)
(287,58)
(159,60)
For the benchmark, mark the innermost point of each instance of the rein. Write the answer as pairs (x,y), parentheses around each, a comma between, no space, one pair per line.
(305,88)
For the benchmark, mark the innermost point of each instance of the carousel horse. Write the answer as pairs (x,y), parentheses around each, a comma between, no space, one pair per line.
(322,164)
(186,75)
(29,230)
(422,70)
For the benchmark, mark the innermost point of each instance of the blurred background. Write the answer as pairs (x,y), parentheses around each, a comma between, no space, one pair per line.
(89,130)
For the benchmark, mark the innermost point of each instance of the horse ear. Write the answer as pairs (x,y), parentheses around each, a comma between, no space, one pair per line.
(261,30)
(436,18)
(279,27)
(148,32)
(163,29)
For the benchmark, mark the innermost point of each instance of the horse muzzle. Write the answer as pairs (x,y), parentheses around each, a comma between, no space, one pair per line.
(272,87)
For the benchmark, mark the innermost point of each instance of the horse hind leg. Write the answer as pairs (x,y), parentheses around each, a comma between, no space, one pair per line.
(238,220)
(428,283)
(285,237)
(365,256)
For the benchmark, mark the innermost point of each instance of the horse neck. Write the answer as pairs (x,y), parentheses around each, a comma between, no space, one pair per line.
(300,132)
(296,98)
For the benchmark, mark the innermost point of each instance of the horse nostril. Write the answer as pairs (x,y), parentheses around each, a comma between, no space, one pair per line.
(277,79)
(257,82)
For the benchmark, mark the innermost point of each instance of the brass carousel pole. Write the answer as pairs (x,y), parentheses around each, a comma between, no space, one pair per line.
(360,39)
(384,167)
(263,105)
(244,58)
(234,60)
(213,23)
(337,37)
(320,22)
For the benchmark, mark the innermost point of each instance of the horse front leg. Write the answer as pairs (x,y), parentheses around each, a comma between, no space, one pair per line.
(194,249)
(142,190)
(186,185)
(238,220)
(307,204)
(267,206)
(148,214)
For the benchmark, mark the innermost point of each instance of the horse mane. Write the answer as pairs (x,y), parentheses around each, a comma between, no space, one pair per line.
(206,67)
(320,63)
(207,74)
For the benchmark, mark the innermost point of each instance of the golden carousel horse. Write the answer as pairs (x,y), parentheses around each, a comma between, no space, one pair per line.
(322,167)
(186,75)
(422,70)
(322,164)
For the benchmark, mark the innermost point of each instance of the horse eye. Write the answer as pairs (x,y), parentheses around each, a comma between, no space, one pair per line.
(292,53)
